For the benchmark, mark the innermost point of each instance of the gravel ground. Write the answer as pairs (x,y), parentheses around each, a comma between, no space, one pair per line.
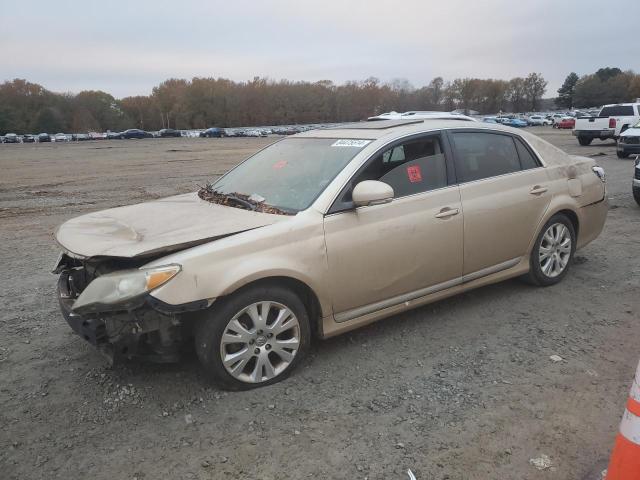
(460,389)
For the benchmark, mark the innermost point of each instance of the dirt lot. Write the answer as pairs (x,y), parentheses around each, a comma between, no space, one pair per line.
(462,389)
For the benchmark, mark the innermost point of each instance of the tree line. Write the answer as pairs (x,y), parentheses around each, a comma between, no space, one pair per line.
(607,85)
(27,107)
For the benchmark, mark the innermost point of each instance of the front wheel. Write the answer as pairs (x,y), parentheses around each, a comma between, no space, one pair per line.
(253,338)
(552,253)
(636,195)
(622,154)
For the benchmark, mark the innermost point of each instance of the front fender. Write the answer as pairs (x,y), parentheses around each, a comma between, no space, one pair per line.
(293,249)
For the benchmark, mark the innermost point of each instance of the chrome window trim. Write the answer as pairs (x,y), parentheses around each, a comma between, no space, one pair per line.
(411,196)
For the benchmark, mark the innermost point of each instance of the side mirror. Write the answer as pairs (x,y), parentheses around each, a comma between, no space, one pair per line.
(372,192)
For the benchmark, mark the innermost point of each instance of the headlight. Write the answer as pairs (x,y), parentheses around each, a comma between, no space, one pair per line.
(122,290)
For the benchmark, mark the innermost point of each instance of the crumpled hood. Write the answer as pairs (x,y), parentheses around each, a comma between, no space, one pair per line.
(162,225)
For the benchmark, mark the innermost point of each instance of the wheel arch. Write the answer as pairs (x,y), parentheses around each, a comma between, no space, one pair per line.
(572,216)
(306,294)
(564,209)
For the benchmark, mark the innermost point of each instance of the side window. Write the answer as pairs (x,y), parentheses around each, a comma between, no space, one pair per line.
(482,155)
(527,160)
(617,111)
(413,167)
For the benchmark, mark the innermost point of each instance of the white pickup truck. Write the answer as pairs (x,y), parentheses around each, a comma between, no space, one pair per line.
(610,122)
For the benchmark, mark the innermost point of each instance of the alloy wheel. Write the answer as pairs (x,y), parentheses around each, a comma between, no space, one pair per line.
(260,342)
(555,250)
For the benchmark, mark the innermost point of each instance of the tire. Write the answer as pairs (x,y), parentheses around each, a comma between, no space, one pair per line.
(636,195)
(622,154)
(269,356)
(539,272)
(584,141)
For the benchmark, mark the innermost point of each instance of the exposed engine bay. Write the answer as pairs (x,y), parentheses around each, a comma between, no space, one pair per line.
(147,328)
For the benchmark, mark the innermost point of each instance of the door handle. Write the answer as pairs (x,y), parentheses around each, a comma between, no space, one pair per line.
(447,212)
(537,190)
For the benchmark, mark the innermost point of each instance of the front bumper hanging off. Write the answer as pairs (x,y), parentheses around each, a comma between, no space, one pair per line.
(145,332)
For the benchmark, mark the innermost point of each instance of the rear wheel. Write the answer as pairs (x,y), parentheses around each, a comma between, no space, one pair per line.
(636,195)
(622,154)
(255,337)
(584,141)
(553,251)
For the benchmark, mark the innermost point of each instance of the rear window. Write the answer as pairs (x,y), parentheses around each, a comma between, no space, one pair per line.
(482,155)
(617,111)
(527,160)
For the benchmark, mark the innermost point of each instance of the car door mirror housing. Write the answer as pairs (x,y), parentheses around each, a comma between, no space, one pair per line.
(372,192)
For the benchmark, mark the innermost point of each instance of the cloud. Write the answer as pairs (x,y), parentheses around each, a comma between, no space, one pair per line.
(128,47)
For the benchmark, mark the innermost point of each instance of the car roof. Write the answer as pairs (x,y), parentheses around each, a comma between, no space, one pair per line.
(382,134)
(389,129)
(620,104)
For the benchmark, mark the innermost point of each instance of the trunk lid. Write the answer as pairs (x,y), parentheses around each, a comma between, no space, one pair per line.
(160,226)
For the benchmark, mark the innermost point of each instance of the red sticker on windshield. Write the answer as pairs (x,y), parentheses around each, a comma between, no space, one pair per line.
(414,174)
(280,164)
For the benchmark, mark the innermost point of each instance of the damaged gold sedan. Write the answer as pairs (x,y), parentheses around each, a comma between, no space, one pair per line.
(321,233)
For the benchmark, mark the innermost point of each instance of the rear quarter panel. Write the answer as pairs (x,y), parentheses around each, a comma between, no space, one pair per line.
(574,187)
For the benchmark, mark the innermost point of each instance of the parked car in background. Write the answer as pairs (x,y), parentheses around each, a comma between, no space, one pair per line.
(134,133)
(11,138)
(629,142)
(80,137)
(60,137)
(28,138)
(514,122)
(321,233)
(169,132)
(213,132)
(611,121)
(97,136)
(44,137)
(556,117)
(566,123)
(114,135)
(538,120)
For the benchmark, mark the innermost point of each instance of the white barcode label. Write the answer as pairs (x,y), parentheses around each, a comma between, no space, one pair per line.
(348,142)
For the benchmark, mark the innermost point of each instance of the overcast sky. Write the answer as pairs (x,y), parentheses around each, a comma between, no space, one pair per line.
(127,47)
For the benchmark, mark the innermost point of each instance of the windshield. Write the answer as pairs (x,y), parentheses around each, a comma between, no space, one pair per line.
(290,174)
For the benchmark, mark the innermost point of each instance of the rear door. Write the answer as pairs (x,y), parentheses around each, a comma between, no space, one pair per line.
(505,193)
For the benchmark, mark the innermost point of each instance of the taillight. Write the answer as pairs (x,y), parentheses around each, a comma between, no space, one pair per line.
(612,123)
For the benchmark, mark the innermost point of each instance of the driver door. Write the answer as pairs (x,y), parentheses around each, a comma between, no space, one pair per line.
(383,255)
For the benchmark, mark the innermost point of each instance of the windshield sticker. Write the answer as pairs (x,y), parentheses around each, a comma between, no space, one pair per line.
(280,164)
(414,173)
(347,142)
